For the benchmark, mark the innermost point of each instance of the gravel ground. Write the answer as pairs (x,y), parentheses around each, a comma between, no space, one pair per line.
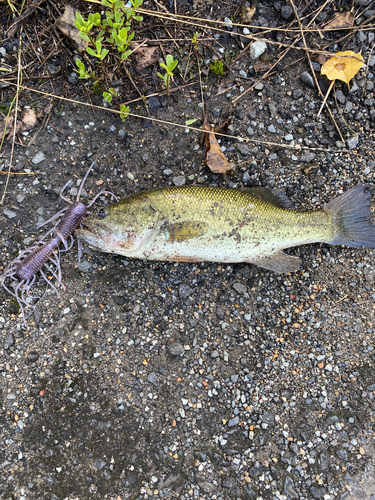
(207,381)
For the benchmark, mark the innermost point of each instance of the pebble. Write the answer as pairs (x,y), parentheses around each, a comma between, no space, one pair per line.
(20,198)
(243,149)
(185,291)
(308,157)
(307,79)
(99,463)
(246,31)
(176,348)
(240,287)
(352,142)
(153,379)
(245,177)
(167,172)
(38,158)
(233,422)
(8,341)
(271,129)
(9,213)
(340,96)
(153,102)
(286,12)
(84,265)
(32,357)
(179,180)
(257,49)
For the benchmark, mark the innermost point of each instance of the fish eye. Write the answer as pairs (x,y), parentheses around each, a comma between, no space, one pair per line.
(102,214)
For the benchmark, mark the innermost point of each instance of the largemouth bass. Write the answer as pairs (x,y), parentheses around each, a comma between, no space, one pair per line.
(196,224)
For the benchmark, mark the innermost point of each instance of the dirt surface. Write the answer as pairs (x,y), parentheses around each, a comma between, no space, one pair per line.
(207,381)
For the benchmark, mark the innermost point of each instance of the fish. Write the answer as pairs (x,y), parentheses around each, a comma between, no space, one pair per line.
(202,223)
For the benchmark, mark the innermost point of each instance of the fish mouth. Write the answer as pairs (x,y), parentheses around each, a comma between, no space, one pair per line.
(86,230)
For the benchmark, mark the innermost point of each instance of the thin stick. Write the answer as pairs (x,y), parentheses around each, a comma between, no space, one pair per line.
(19,81)
(326,97)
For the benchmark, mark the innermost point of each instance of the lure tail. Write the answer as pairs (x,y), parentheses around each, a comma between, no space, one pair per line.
(352,218)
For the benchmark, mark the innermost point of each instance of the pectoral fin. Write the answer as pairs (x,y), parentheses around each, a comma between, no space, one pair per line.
(278,262)
(181,231)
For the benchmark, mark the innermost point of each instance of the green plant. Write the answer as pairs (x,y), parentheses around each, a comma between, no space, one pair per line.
(217,68)
(105,35)
(124,111)
(194,40)
(108,95)
(169,67)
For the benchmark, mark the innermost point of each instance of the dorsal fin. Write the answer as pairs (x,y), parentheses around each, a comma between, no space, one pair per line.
(276,197)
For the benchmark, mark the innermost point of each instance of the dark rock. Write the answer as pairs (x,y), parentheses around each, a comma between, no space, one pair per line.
(32,356)
(153,378)
(308,157)
(317,492)
(286,12)
(307,79)
(129,480)
(153,102)
(8,341)
(176,348)
(243,149)
(185,291)
(99,463)
(119,300)
(289,488)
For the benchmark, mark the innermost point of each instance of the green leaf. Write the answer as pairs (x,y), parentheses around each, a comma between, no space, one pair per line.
(169,59)
(91,52)
(84,36)
(97,19)
(79,19)
(138,18)
(190,122)
(107,97)
(103,54)
(124,112)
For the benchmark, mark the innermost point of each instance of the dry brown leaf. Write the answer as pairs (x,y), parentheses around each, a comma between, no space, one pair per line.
(320,58)
(343,66)
(215,158)
(247,14)
(26,121)
(67,26)
(260,66)
(144,56)
(341,20)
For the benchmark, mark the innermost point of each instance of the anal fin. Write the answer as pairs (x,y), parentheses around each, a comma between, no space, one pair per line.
(278,262)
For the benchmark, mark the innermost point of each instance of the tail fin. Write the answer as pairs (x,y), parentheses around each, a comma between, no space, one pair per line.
(352,218)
